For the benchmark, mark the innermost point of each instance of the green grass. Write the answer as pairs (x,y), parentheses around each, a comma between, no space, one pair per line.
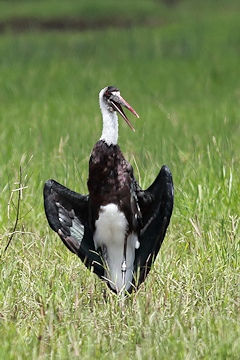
(183,80)
(86,9)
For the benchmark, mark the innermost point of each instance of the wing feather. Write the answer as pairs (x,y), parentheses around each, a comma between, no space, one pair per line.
(156,216)
(68,215)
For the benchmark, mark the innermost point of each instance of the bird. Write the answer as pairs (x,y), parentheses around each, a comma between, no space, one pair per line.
(117,228)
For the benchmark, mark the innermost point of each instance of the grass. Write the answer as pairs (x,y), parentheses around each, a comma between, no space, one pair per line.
(183,80)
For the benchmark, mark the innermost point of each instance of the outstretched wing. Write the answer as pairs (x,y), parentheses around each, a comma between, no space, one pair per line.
(155,220)
(68,215)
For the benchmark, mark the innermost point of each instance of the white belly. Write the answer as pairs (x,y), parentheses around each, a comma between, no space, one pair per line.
(110,233)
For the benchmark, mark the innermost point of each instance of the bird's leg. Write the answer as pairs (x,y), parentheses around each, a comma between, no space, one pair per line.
(124,263)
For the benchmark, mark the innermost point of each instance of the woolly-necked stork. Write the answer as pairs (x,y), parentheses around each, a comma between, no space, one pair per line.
(117,229)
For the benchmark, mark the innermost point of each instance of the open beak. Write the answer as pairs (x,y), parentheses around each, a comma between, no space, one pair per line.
(117,102)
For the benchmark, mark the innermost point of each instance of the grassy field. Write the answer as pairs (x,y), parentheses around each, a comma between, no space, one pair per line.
(183,78)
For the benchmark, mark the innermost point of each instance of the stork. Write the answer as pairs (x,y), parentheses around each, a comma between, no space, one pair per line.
(118,228)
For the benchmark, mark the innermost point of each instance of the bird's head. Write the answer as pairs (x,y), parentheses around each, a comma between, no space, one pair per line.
(113,101)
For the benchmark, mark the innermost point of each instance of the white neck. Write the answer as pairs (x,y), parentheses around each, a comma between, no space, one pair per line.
(110,123)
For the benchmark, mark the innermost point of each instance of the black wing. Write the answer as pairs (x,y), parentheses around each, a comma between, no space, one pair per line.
(68,215)
(156,216)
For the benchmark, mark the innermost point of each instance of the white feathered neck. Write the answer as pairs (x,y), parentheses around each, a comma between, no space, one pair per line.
(110,122)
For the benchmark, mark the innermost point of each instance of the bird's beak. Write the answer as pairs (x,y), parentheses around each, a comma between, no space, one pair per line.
(117,102)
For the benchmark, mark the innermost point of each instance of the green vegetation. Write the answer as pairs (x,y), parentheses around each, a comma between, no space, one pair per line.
(182,77)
